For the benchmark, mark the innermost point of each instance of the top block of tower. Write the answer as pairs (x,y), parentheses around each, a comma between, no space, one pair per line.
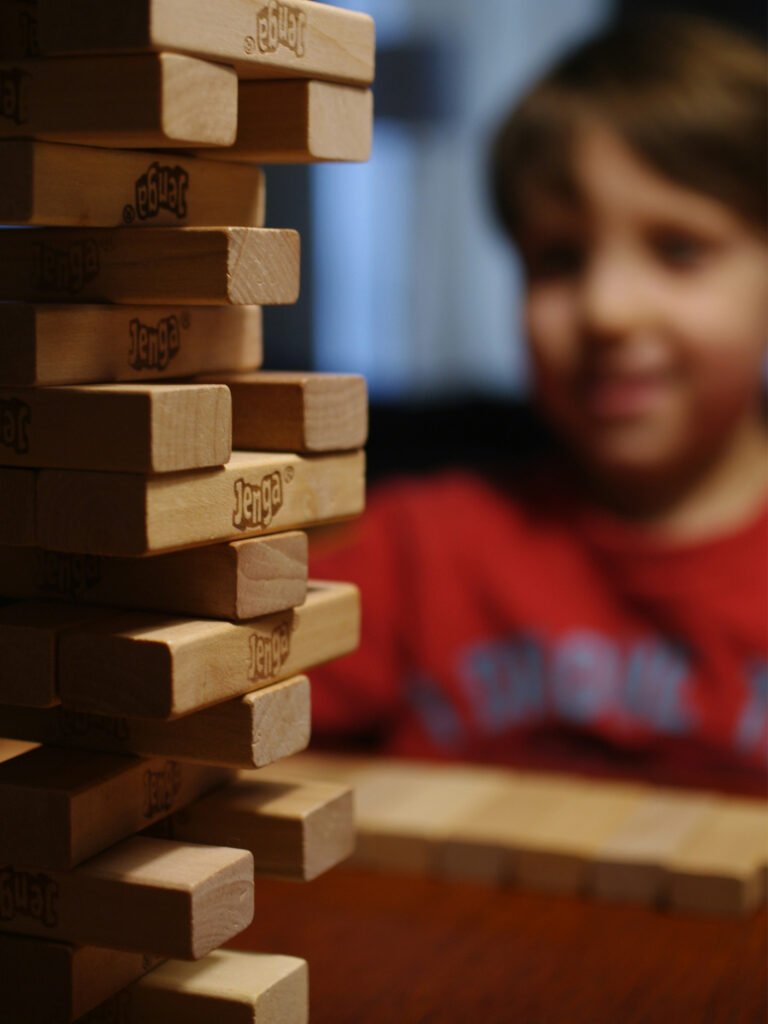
(267,39)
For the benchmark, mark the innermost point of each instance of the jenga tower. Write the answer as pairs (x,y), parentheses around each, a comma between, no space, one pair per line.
(157,619)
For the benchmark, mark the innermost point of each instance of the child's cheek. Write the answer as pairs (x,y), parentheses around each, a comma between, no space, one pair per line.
(551,326)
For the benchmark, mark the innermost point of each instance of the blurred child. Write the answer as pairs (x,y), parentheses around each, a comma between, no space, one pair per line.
(609,608)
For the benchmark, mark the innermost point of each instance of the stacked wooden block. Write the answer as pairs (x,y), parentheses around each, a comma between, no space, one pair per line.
(157,618)
(687,850)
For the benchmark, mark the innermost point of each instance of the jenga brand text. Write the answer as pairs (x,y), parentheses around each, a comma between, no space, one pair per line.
(161,188)
(152,348)
(256,505)
(161,788)
(69,575)
(13,100)
(82,723)
(15,417)
(25,894)
(64,270)
(281,25)
(269,653)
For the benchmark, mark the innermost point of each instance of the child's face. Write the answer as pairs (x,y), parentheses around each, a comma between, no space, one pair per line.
(647,315)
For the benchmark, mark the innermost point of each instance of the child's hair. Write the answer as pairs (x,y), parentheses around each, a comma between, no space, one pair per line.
(687,95)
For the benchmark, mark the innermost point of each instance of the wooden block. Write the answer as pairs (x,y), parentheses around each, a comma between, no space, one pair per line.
(157,667)
(245,732)
(18,29)
(719,867)
(14,748)
(297,412)
(146,101)
(200,266)
(29,650)
(58,185)
(18,490)
(74,344)
(254,494)
(149,895)
(227,987)
(46,982)
(264,40)
(59,807)
(294,830)
(629,866)
(239,580)
(130,428)
(299,122)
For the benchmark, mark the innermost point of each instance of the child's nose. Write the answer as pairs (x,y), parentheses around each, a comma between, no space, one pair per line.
(612,296)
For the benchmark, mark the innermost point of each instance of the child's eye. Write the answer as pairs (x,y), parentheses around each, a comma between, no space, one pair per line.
(559,260)
(679,251)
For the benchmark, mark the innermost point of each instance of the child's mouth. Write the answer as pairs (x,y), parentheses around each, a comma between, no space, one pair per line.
(623,395)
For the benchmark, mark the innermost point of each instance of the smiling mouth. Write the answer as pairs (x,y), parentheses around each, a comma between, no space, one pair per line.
(621,396)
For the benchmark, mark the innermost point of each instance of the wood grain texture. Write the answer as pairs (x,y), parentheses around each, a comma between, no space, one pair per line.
(246,732)
(255,493)
(157,667)
(80,186)
(80,344)
(148,895)
(296,830)
(144,101)
(60,807)
(29,650)
(296,412)
(239,580)
(299,122)
(130,428)
(227,987)
(18,493)
(272,39)
(200,266)
(45,982)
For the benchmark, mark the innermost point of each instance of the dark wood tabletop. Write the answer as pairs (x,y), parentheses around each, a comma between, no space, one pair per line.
(401,950)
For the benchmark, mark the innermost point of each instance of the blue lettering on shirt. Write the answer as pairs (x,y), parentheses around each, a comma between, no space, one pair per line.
(752,725)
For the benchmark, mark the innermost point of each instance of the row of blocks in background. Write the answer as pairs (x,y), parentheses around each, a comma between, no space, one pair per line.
(685,850)
(227,623)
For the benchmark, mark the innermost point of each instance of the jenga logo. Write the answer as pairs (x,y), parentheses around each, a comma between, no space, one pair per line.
(13,94)
(65,270)
(81,723)
(161,789)
(15,417)
(69,575)
(25,894)
(161,188)
(152,348)
(268,653)
(280,25)
(256,505)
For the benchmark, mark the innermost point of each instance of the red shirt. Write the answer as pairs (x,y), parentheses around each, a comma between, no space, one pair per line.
(516,626)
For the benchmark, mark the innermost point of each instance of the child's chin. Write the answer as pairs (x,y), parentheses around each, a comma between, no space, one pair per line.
(632,455)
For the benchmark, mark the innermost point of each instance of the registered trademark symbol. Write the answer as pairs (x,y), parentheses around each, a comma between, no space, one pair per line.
(288,474)
(185,319)
(129,214)
(249,44)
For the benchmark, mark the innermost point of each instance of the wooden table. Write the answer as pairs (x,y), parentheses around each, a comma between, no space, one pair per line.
(400,950)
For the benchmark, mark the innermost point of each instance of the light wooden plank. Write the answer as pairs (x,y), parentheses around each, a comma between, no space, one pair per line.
(227,987)
(295,830)
(149,895)
(157,667)
(144,101)
(78,344)
(296,412)
(52,185)
(59,807)
(238,580)
(130,428)
(13,748)
(200,266)
(246,732)
(299,122)
(629,866)
(255,493)
(43,982)
(29,650)
(18,494)
(719,867)
(269,39)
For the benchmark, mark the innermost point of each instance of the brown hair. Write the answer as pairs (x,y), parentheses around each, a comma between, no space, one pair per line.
(687,95)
